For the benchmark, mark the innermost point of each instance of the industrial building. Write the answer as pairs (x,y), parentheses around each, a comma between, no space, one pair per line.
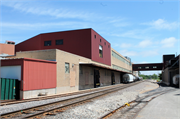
(67,61)
(170,69)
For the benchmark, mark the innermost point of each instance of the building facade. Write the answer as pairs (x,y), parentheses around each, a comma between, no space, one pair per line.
(84,59)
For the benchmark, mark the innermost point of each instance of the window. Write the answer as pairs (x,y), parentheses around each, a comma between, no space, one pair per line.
(154,67)
(100,40)
(94,36)
(146,67)
(47,43)
(59,42)
(104,43)
(108,46)
(66,67)
(100,51)
(139,67)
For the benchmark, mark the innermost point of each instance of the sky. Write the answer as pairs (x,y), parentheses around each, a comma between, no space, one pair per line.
(141,30)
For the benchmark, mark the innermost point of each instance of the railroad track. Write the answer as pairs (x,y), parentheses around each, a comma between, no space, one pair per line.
(130,110)
(59,106)
(9,102)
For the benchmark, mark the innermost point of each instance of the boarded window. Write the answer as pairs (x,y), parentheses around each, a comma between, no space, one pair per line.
(100,51)
(47,43)
(59,42)
(66,67)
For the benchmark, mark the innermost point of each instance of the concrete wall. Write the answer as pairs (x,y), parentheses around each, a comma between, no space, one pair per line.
(35,93)
(165,77)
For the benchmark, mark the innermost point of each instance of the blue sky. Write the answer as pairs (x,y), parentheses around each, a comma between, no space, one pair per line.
(142,30)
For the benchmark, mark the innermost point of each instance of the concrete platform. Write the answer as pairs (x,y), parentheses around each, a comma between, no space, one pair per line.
(166,106)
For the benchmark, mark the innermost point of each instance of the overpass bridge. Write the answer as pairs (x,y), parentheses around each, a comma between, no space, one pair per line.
(147,67)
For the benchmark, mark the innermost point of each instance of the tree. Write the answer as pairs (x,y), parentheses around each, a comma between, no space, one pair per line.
(160,76)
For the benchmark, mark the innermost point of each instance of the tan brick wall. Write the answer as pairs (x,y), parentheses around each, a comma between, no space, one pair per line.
(39,54)
(119,63)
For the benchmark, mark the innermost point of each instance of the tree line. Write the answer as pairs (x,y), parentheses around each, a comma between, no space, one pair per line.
(154,76)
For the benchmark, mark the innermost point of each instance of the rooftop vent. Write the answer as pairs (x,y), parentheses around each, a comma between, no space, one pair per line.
(10,42)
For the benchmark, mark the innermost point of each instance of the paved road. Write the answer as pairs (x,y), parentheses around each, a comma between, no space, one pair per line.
(166,106)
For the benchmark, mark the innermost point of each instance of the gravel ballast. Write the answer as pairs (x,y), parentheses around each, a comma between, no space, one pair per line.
(94,109)
(101,106)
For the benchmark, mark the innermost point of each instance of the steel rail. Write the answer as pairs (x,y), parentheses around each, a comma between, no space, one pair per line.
(102,92)
(8,102)
(139,100)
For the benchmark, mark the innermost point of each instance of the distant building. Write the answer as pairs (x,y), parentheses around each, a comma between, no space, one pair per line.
(7,49)
(170,69)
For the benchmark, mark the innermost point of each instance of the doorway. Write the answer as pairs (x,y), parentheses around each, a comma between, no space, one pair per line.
(112,78)
(96,78)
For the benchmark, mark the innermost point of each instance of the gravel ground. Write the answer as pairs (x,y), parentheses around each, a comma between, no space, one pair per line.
(14,107)
(98,107)
(93,109)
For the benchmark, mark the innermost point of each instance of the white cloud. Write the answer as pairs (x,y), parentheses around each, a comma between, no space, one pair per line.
(168,42)
(40,25)
(162,24)
(135,34)
(40,10)
(149,53)
(128,53)
(145,43)
(125,45)
(144,62)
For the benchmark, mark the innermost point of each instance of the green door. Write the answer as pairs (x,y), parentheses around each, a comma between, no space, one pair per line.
(7,89)
(3,85)
(14,89)
(11,89)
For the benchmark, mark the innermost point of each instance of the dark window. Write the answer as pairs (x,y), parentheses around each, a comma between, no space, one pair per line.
(47,43)
(94,36)
(100,40)
(59,42)
(67,67)
(154,67)
(108,46)
(104,43)
(100,51)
